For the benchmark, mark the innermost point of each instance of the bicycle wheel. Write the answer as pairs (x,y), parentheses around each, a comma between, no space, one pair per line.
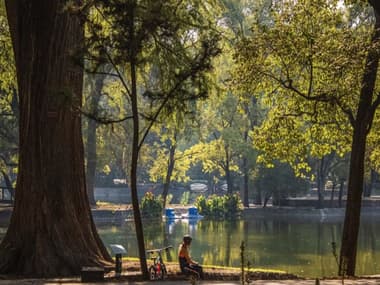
(152,273)
(159,272)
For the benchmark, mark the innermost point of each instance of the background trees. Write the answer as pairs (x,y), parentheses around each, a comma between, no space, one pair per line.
(8,107)
(307,97)
(165,45)
(170,155)
(309,72)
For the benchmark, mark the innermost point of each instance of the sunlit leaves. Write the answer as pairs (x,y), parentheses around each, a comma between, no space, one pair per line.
(213,157)
(306,66)
(8,99)
(158,171)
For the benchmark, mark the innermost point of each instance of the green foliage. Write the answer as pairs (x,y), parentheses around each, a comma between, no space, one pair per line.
(8,103)
(172,43)
(161,54)
(151,206)
(279,182)
(305,65)
(223,207)
(185,198)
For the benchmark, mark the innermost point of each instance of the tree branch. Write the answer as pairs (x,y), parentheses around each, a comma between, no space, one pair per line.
(104,121)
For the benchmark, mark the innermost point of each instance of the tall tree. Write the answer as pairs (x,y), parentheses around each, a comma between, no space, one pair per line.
(361,122)
(218,151)
(238,15)
(170,161)
(310,71)
(51,232)
(174,44)
(96,85)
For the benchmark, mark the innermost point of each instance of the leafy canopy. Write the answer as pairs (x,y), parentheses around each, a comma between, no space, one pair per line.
(305,65)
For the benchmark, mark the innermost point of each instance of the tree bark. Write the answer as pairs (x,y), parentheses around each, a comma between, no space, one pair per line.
(246,180)
(332,195)
(51,232)
(341,189)
(361,126)
(347,261)
(91,138)
(321,180)
(369,186)
(91,161)
(230,184)
(323,170)
(134,163)
(169,173)
(135,147)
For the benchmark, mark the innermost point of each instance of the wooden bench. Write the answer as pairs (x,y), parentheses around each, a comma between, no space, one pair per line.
(92,274)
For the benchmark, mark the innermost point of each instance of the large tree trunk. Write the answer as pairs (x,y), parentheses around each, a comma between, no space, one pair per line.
(361,126)
(354,198)
(51,232)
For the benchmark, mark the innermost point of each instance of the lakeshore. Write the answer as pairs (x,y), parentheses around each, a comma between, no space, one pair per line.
(117,213)
(112,217)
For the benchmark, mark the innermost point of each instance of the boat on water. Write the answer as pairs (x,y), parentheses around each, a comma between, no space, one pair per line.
(191,214)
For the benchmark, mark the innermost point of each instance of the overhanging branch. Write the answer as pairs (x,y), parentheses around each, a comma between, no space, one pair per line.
(104,121)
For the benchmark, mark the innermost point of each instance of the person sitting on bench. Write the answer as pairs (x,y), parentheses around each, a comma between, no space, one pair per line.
(187,265)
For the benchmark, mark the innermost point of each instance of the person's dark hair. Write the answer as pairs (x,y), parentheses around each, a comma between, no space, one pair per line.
(187,239)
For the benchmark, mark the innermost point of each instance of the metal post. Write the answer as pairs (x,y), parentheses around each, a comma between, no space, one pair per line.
(118,250)
(119,264)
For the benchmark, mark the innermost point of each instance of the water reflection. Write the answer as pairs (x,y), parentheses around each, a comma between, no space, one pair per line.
(298,247)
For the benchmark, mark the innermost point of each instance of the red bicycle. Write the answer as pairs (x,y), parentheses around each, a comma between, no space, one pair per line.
(158,271)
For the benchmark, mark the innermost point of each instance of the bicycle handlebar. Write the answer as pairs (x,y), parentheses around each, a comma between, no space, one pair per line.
(159,249)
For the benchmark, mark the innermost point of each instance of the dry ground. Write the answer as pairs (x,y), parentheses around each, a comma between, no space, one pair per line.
(131,271)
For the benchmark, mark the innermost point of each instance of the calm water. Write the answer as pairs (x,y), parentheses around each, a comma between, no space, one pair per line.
(303,247)
(299,247)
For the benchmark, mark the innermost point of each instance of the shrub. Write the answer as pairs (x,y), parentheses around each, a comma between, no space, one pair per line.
(227,206)
(151,206)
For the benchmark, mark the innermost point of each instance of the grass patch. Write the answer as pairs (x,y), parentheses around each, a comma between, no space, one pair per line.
(130,258)
(214,267)
(239,269)
(103,204)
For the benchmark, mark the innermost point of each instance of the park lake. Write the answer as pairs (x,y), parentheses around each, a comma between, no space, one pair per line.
(301,246)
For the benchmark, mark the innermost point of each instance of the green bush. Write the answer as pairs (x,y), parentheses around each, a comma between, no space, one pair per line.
(224,207)
(151,206)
